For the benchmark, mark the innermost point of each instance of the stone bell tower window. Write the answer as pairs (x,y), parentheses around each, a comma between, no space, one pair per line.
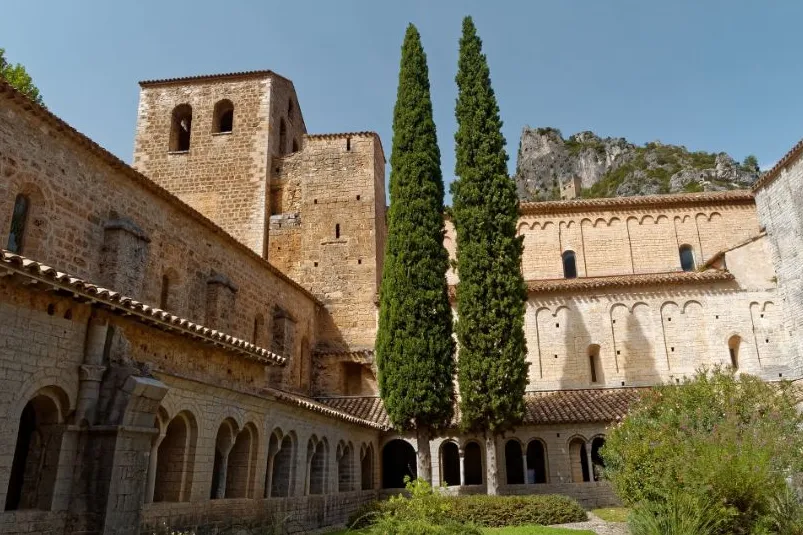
(223,120)
(180,129)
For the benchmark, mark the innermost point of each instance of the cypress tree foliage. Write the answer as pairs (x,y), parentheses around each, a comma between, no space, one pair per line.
(492,366)
(414,344)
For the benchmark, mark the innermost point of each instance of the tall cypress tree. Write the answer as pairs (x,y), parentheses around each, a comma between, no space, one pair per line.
(414,345)
(492,366)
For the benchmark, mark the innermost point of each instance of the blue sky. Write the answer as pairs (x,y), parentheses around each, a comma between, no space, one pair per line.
(711,75)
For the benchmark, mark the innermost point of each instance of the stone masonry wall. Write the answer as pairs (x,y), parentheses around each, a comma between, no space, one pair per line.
(780,213)
(330,235)
(652,335)
(620,241)
(75,194)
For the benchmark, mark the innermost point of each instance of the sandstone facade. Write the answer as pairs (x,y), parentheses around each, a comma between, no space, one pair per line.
(189,342)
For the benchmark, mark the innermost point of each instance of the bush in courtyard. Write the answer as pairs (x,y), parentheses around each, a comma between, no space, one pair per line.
(721,438)
(499,511)
(680,513)
(477,510)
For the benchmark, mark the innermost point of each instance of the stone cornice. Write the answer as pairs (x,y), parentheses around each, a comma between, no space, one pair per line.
(643,201)
(84,291)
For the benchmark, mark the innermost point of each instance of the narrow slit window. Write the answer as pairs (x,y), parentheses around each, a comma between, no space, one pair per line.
(569,265)
(18,220)
(686,258)
(165,294)
(337,230)
(282,137)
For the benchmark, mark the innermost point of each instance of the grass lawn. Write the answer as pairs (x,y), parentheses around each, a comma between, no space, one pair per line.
(513,530)
(612,514)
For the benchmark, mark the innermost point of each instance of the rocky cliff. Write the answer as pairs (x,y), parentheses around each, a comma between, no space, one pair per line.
(613,167)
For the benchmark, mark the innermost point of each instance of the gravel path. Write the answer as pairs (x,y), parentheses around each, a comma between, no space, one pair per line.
(599,526)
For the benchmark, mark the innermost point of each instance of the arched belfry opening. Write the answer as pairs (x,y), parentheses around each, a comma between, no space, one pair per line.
(181,128)
(223,118)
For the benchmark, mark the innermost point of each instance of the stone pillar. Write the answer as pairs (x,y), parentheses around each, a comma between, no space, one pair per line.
(91,371)
(524,466)
(125,447)
(220,294)
(153,461)
(590,464)
(462,467)
(124,256)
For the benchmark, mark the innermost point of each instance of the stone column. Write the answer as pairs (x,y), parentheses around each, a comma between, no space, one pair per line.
(524,466)
(590,464)
(220,491)
(462,467)
(153,461)
(91,371)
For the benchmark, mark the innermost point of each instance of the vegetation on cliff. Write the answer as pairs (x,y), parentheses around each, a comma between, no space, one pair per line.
(492,371)
(414,344)
(614,167)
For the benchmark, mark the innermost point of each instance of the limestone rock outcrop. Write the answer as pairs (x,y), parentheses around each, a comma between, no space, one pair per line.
(614,167)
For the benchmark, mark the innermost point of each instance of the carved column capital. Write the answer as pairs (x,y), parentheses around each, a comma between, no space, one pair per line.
(88,372)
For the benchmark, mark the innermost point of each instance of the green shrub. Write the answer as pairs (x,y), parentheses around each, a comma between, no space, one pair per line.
(480,510)
(498,511)
(680,513)
(718,437)
(786,514)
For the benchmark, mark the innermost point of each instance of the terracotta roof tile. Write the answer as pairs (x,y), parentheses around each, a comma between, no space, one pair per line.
(141,312)
(629,281)
(357,354)
(621,281)
(614,203)
(770,175)
(553,407)
(204,77)
(29,106)
(372,416)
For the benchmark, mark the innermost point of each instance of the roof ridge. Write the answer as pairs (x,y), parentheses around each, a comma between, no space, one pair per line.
(200,77)
(770,175)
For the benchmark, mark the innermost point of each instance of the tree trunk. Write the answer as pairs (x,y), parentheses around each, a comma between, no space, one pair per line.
(424,456)
(492,476)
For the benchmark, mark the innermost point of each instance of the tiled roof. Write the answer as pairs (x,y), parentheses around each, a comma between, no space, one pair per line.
(614,203)
(359,354)
(86,291)
(204,77)
(578,406)
(553,407)
(58,125)
(367,418)
(628,281)
(770,175)
(621,281)
(719,254)
(368,408)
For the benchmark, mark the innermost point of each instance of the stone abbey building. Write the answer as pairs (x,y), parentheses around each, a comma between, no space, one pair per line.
(188,341)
